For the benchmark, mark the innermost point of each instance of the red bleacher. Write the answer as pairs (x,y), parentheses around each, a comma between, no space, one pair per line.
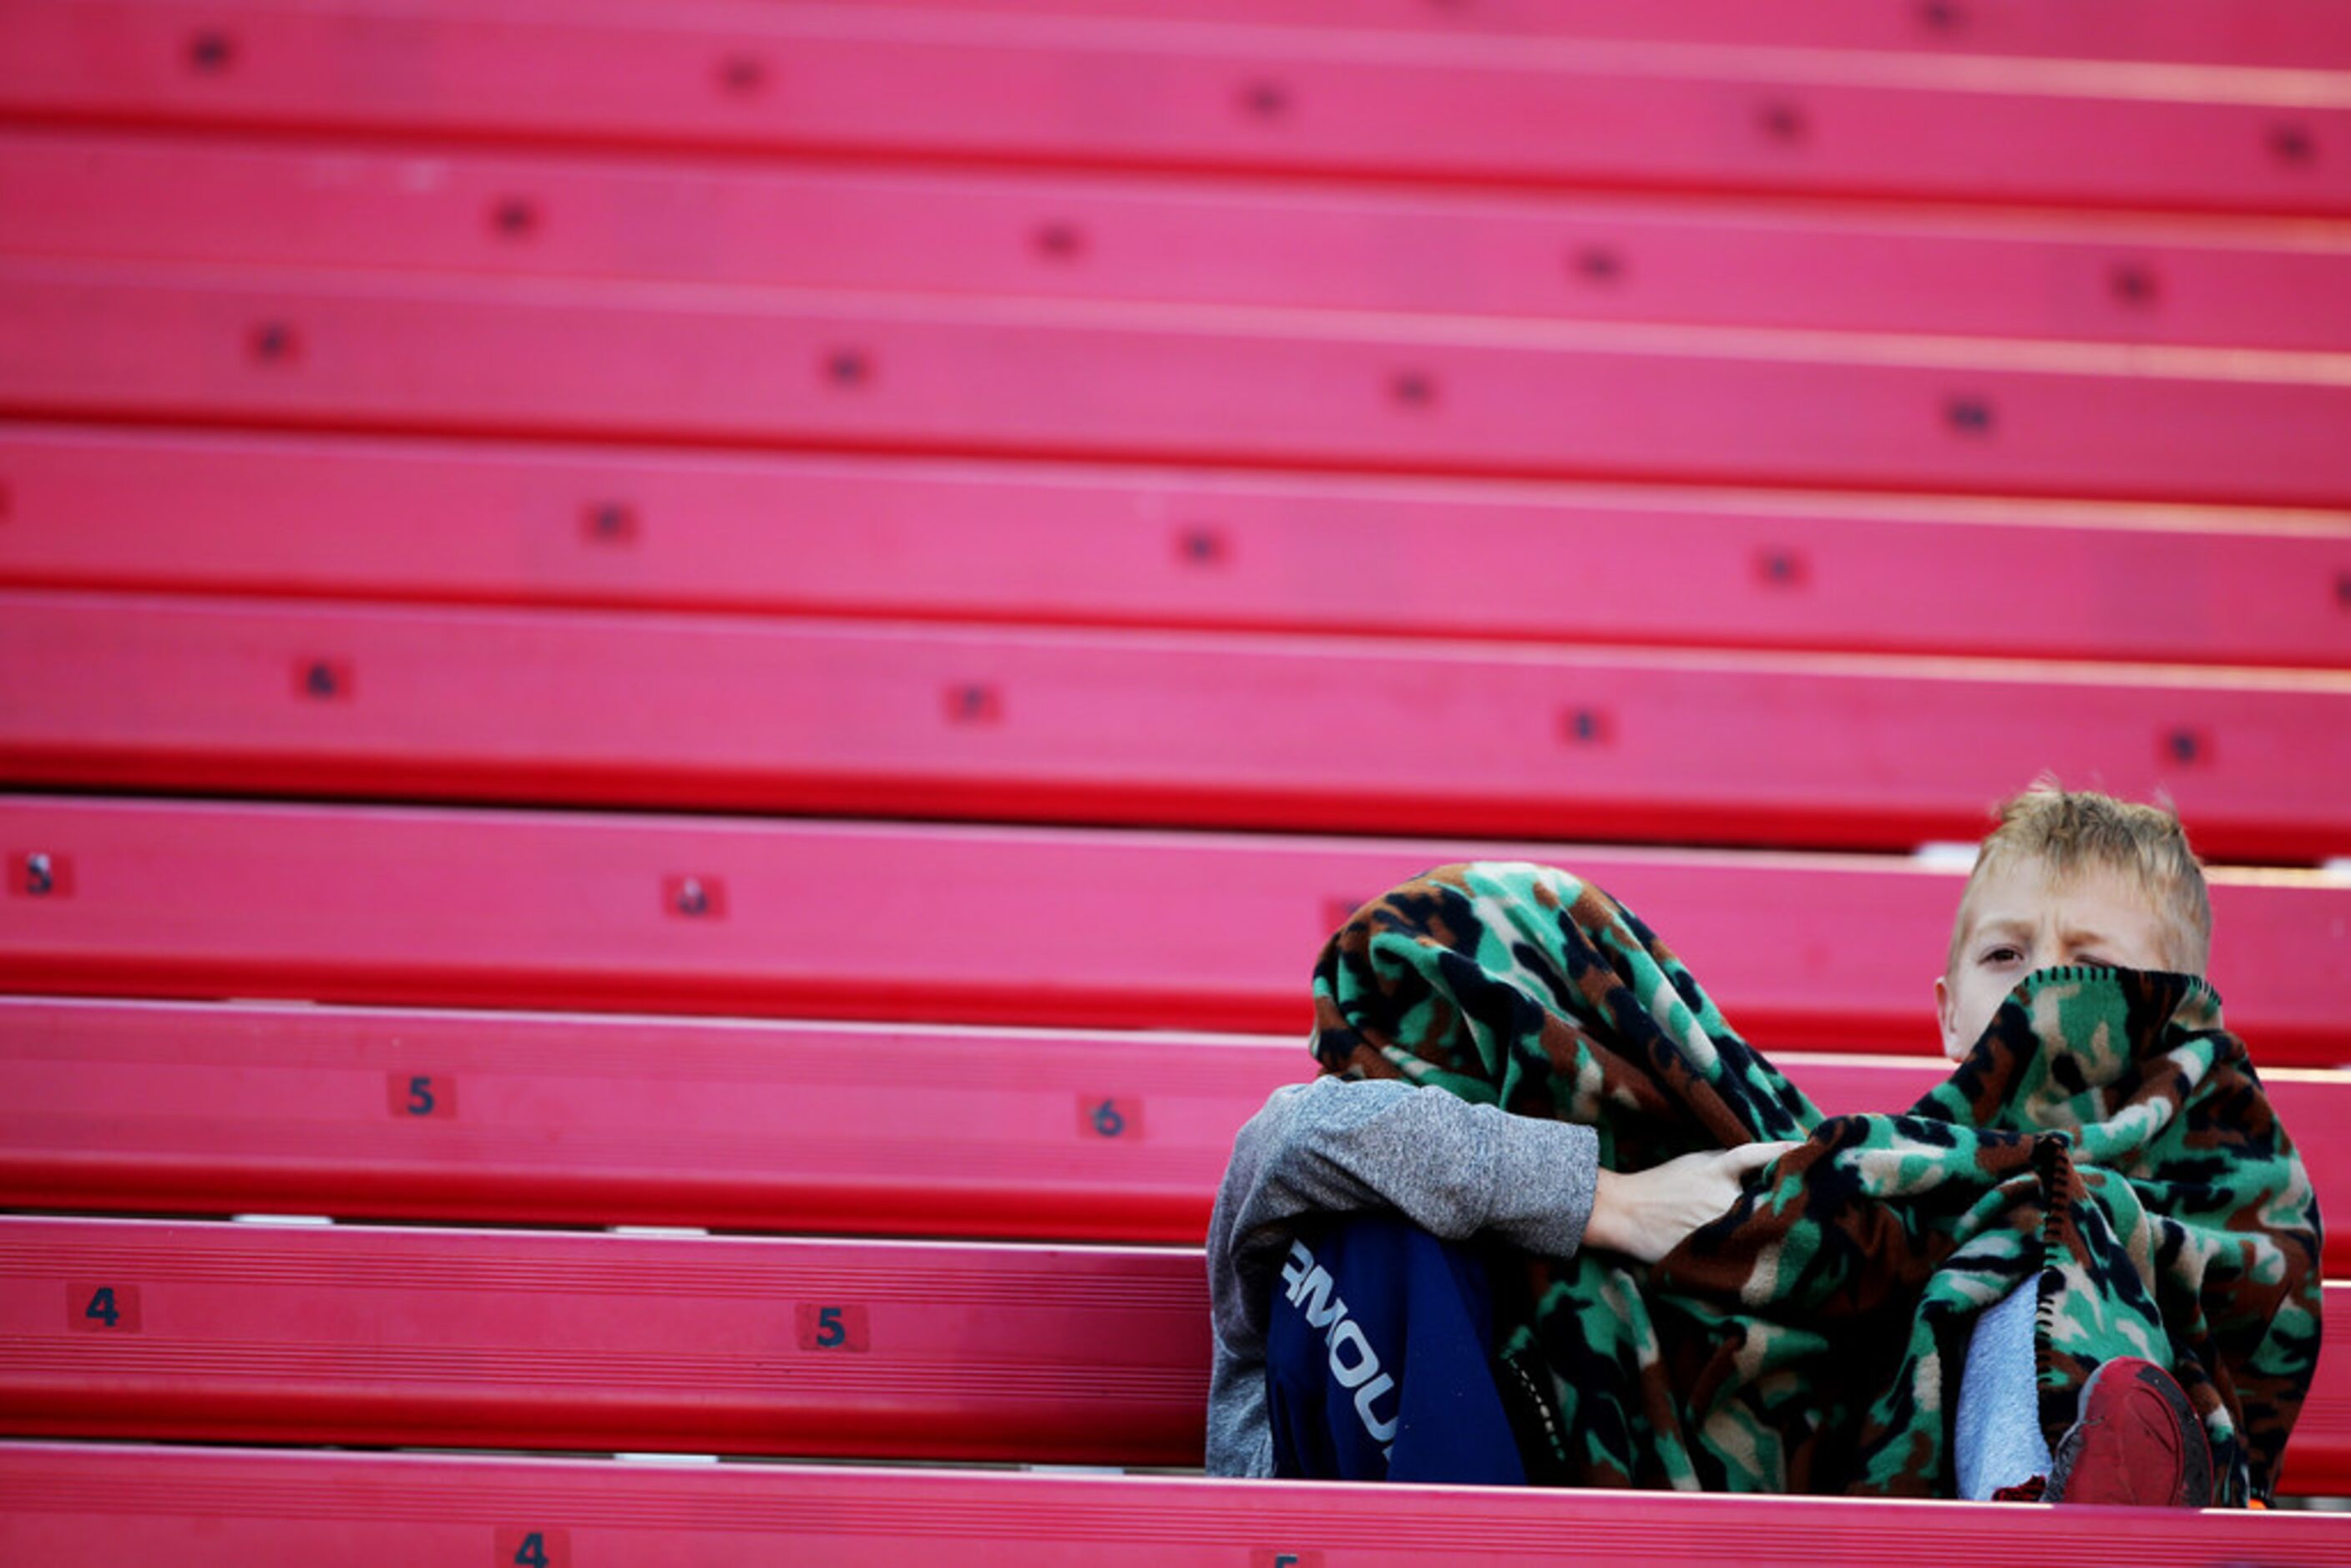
(858,1129)
(2307,34)
(2243,283)
(970,85)
(126,1327)
(1066,726)
(448,355)
(597,1119)
(962,924)
(749,618)
(500,1339)
(208,1507)
(497,523)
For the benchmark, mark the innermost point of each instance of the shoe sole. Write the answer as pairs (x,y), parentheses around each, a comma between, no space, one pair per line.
(2193,1486)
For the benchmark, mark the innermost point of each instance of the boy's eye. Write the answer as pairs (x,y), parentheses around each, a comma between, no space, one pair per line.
(2002,955)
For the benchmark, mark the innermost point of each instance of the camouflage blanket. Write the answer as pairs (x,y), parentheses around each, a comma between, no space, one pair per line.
(2106,1143)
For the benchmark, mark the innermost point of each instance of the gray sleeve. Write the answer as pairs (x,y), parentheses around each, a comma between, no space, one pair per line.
(1334,1145)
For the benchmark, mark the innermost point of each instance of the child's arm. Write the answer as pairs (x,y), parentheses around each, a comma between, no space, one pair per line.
(1453,1168)
(1334,1145)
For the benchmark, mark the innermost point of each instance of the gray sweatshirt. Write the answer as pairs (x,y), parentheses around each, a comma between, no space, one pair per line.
(1331,1146)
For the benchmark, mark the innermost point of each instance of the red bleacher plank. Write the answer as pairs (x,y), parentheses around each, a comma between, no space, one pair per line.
(848,1129)
(513,1339)
(1047,377)
(231,1509)
(1140,93)
(970,925)
(510,1339)
(577,1118)
(1204,730)
(1724,263)
(2304,34)
(348,518)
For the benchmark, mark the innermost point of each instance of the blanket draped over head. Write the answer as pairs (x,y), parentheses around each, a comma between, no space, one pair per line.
(2105,1143)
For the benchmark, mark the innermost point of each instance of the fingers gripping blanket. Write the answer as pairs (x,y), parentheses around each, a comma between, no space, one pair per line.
(2105,1143)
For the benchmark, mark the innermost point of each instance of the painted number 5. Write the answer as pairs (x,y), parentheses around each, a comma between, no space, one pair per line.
(422,1096)
(828,1327)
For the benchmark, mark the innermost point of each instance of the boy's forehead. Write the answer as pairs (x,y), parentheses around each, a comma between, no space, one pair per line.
(2024,890)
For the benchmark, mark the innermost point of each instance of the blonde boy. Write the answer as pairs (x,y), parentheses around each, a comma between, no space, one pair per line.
(2065,878)
(2070,878)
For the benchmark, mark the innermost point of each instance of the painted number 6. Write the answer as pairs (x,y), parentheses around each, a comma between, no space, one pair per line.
(1118,1117)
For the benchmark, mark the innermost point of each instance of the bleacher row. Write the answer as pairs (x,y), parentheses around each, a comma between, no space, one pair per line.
(686,689)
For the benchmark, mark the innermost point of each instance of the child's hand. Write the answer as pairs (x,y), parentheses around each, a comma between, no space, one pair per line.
(1647,1214)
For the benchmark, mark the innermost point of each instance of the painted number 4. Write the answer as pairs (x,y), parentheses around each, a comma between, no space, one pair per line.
(520,1548)
(98,1306)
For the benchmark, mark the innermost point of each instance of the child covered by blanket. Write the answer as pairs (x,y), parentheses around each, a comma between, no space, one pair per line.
(1546,1218)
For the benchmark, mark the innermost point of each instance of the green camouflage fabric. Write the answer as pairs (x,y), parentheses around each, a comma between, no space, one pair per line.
(2107,1142)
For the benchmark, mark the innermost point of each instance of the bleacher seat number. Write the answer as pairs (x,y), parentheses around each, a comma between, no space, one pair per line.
(832,1326)
(323,680)
(1110,1116)
(695,897)
(40,876)
(517,1547)
(420,1096)
(102,1306)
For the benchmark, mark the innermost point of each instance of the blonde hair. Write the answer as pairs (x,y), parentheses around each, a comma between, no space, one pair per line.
(2071,831)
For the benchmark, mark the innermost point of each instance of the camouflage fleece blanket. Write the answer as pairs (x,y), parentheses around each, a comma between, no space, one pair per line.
(2106,1143)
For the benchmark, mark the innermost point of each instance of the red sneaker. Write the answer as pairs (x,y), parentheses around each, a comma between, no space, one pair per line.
(2138,1440)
